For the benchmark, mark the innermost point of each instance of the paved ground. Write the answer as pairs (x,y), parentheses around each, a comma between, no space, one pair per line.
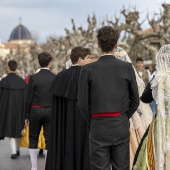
(21,163)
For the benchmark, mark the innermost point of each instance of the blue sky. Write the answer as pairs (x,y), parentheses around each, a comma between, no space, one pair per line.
(50,17)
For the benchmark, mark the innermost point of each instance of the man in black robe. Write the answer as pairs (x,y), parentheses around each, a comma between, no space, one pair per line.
(12,98)
(68,148)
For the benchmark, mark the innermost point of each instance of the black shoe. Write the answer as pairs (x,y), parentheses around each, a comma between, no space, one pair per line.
(41,152)
(18,153)
(13,156)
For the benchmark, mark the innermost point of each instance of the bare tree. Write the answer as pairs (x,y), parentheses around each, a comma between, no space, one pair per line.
(136,41)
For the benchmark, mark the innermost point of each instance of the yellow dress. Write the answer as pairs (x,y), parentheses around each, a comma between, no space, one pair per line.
(24,140)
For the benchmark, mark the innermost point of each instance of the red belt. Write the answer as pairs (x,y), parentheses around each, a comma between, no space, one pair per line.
(108,114)
(37,106)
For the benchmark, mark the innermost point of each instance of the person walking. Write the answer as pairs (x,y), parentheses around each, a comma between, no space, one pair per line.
(38,105)
(12,102)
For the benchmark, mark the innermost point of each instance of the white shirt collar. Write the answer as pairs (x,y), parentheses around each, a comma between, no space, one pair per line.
(76,65)
(45,68)
(107,54)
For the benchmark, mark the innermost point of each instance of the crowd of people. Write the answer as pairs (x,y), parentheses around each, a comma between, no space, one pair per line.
(91,112)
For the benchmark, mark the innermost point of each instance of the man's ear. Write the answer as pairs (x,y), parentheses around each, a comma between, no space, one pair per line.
(99,45)
(8,69)
(49,64)
(79,60)
(116,46)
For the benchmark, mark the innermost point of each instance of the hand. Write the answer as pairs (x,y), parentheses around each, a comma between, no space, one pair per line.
(26,122)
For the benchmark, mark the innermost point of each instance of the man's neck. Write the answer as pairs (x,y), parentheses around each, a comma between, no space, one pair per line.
(108,53)
(45,68)
(11,71)
(140,70)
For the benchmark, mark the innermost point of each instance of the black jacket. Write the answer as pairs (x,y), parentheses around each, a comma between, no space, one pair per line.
(38,92)
(12,105)
(107,85)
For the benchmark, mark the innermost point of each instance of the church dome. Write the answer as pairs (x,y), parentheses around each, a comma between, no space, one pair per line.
(20,32)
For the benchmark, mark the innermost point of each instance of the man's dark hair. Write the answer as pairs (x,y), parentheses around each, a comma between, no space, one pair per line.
(12,64)
(44,59)
(139,59)
(79,52)
(107,38)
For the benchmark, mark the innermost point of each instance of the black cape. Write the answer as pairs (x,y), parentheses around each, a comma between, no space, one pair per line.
(12,101)
(69,141)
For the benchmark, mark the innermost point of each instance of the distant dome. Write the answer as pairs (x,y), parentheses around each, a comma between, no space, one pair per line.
(20,32)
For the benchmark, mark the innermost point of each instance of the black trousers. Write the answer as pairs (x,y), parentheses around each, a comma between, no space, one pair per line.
(39,117)
(109,143)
